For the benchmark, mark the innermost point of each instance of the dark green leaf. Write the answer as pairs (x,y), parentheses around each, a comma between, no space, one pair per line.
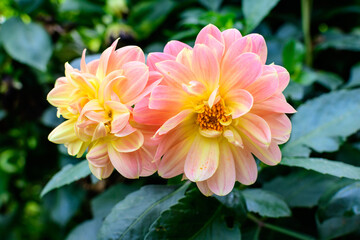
(338,169)
(309,187)
(354,76)
(102,204)
(328,79)
(265,203)
(132,217)
(340,41)
(82,6)
(211,4)
(26,43)
(235,201)
(293,55)
(321,123)
(193,217)
(85,231)
(50,119)
(147,16)
(255,11)
(67,175)
(28,5)
(64,203)
(338,226)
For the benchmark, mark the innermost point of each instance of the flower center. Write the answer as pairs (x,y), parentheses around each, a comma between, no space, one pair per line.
(213,118)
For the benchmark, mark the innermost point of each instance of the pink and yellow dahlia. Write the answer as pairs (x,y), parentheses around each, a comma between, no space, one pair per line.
(218,104)
(97,102)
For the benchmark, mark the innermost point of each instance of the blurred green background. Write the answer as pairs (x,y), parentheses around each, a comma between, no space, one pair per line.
(38,36)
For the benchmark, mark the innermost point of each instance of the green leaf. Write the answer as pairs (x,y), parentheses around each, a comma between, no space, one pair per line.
(102,204)
(338,226)
(132,217)
(321,123)
(27,43)
(64,203)
(193,217)
(328,79)
(28,5)
(85,231)
(82,6)
(354,76)
(293,55)
(147,16)
(255,11)
(309,187)
(235,201)
(340,41)
(67,175)
(265,203)
(334,168)
(212,5)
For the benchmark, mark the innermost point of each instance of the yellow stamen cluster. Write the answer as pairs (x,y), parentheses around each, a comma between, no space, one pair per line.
(212,118)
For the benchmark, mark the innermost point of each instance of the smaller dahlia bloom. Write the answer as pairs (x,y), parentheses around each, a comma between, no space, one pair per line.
(97,102)
(218,105)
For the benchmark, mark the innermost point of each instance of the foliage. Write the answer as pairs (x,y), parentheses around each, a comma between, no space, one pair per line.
(313,193)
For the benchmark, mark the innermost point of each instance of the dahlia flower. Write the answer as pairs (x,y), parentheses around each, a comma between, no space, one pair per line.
(97,103)
(218,105)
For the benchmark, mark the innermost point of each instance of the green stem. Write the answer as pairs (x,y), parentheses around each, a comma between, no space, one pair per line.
(279,229)
(305,17)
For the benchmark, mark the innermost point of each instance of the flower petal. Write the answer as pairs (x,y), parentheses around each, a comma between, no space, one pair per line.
(266,85)
(280,126)
(204,189)
(223,180)
(233,137)
(230,36)
(245,165)
(240,72)
(124,55)
(255,128)
(104,60)
(202,159)
(205,66)
(164,97)
(239,102)
(125,163)
(174,121)
(275,103)
(175,73)
(146,154)
(64,133)
(101,172)
(270,155)
(174,47)
(284,77)
(98,154)
(156,57)
(129,143)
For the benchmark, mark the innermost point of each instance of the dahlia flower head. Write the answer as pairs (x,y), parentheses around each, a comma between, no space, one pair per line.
(217,106)
(97,104)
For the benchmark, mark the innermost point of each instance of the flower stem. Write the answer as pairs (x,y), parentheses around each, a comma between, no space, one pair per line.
(279,229)
(305,17)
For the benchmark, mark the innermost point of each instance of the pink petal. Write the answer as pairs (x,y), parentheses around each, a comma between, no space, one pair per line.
(165,97)
(63,133)
(205,66)
(217,46)
(266,85)
(127,130)
(142,114)
(255,128)
(202,159)
(239,102)
(276,103)
(175,73)
(129,143)
(211,30)
(223,180)
(156,57)
(127,164)
(284,77)
(120,115)
(104,60)
(83,66)
(194,88)
(233,137)
(174,121)
(174,47)
(258,46)
(270,155)
(230,36)
(110,85)
(173,162)
(245,165)
(240,72)
(137,75)
(124,55)
(146,154)
(154,79)
(100,131)
(185,57)
(280,126)
(60,95)
(101,172)
(98,154)
(204,189)
(93,66)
